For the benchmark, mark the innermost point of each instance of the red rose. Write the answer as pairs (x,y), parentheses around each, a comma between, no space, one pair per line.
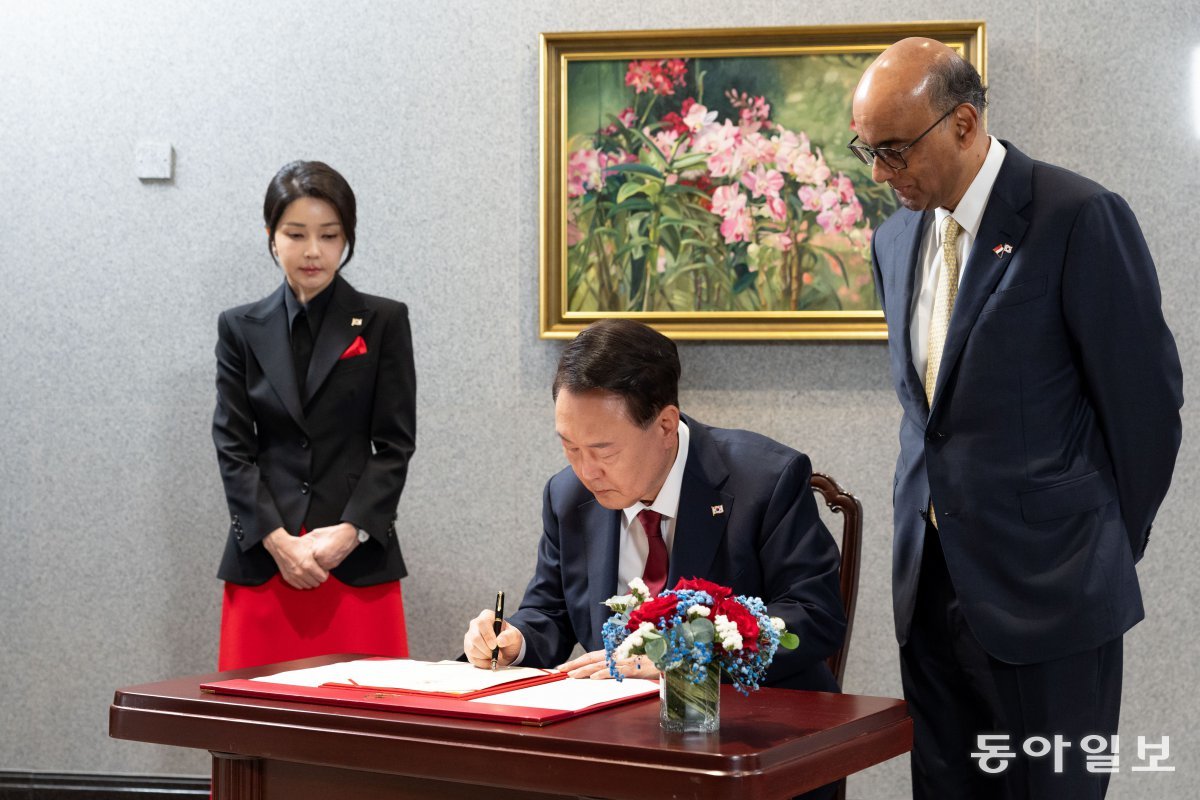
(715,591)
(747,623)
(651,611)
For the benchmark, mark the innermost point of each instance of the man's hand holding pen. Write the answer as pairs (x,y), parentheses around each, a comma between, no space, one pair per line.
(481,639)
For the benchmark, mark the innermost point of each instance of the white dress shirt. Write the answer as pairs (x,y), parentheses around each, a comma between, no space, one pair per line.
(631,562)
(968,214)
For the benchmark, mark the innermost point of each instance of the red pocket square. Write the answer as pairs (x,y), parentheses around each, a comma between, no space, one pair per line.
(357,348)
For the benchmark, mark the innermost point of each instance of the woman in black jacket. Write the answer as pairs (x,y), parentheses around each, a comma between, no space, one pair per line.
(314,427)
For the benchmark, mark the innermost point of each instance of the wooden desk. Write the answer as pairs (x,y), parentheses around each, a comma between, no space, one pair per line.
(774,744)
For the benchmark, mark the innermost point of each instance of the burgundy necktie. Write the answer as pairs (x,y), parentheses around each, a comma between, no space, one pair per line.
(655,574)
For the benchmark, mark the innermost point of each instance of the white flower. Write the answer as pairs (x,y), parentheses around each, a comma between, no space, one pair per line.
(698,611)
(635,639)
(727,633)
(619,602)
(638,588)
(778,624)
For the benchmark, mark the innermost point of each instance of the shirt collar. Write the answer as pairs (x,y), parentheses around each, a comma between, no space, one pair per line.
(315,308)
(667,502)
(969,213)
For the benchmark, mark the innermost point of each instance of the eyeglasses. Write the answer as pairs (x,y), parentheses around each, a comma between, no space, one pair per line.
(892,157)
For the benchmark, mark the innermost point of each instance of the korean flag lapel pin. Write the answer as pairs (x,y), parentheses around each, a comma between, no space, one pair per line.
(1001,250)
(718,510)
(356,322)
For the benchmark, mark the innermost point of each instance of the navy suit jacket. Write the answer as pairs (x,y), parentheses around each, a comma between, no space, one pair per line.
(1055,421)
(769,542)
(341,456)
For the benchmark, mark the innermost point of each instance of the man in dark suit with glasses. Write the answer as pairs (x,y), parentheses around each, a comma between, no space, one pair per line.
(1041,391)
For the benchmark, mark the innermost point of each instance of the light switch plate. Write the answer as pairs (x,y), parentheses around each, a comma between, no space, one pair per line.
(154,161)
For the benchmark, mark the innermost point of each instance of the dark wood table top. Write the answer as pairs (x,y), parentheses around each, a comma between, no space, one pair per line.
(773,744)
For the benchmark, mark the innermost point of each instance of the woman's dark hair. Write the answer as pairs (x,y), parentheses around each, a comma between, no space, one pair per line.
(310,179)
(626,358)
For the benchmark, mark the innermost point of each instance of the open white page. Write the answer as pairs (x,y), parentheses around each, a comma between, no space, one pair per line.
(452,677)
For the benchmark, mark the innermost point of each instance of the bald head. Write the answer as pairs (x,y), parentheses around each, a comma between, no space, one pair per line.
(902,75)
(913,85)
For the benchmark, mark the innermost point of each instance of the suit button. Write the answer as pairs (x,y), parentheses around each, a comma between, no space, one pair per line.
(304,444)
(304,488)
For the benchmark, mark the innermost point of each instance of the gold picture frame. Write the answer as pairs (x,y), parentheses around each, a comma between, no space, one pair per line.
(651,211)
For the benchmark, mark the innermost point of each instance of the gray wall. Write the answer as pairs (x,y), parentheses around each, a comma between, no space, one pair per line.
(112,517)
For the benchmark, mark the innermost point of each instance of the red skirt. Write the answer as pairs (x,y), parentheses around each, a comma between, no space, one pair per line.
(274,622)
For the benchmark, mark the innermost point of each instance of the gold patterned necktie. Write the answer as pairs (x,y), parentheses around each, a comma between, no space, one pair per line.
(943,303)
(943,307)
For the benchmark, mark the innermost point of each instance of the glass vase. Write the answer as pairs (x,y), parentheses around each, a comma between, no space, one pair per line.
(686,706)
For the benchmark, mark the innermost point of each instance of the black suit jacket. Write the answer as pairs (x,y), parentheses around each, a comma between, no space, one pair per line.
(768,542)
(1055,421)
(342,456)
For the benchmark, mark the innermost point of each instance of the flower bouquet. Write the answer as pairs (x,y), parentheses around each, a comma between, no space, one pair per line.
(691,634)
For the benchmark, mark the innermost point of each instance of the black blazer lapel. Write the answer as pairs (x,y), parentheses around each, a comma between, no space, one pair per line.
(1002,224)
(346,318)
(703,509)
(267,338)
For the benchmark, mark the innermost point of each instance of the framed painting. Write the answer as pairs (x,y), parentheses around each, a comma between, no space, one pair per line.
(699,181)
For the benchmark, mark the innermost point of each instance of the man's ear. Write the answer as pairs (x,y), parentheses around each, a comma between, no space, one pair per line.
(966,124)
(668,421)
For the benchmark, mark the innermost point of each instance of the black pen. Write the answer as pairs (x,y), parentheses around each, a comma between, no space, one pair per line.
(497,626)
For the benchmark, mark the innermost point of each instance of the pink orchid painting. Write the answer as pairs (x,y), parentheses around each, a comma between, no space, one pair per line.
(675,204)
(710,185)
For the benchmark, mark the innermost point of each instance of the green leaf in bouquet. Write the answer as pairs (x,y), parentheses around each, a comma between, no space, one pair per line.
(789,640)
(656,648)
(703,630)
